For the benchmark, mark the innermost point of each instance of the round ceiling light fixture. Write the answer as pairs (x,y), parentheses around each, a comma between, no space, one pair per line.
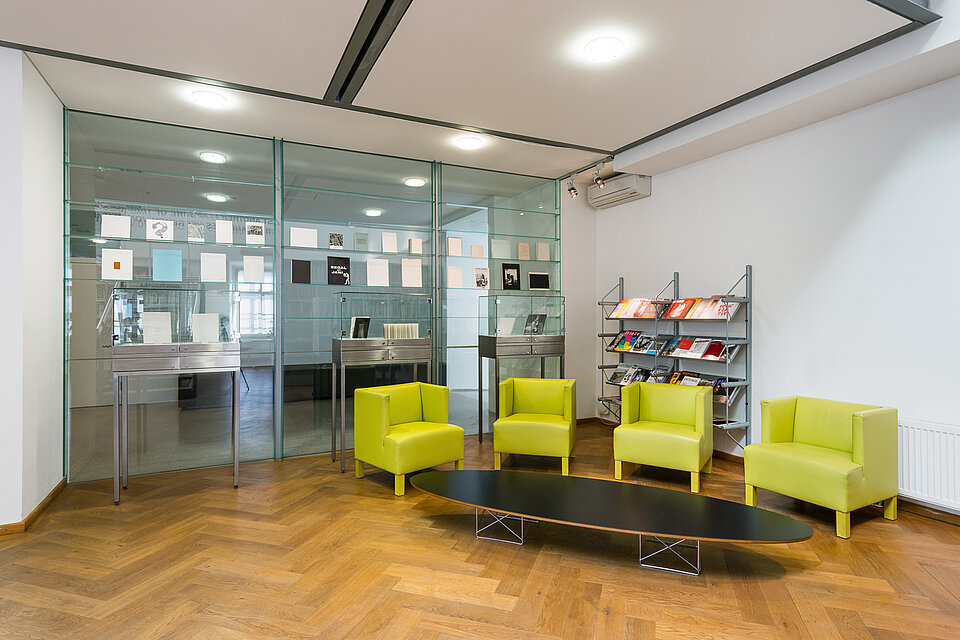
(469,143)
(216,197)
(414,182)
(213,157)
(373,213)
(209,99)
(603,49)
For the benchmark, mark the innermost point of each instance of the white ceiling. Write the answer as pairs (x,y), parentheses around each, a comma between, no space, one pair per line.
(498,65)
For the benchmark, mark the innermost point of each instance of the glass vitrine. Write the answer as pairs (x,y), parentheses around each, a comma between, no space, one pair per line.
(504,315)
(171,316)
(385,315)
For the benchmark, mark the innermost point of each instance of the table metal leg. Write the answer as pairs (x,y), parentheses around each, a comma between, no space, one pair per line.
(116,439)
(343,417)
(479,398)
(662,546)
(124,428)
(236,430)
(333,412)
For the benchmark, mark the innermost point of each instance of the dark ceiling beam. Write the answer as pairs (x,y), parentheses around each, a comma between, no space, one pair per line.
(915,10)
(377,22)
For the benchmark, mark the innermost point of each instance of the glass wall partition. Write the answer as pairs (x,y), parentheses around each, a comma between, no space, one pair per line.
(353,223)
(166,222)
(500,234)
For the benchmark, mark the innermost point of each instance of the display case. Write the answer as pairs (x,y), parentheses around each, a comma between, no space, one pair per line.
(518,327)
(144,316)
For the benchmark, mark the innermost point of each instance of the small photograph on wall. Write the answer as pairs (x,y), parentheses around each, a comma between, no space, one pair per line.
(539,280)
(336,241)
(338,270)
(195,233)
(481,277)
(159,230)
(511,276)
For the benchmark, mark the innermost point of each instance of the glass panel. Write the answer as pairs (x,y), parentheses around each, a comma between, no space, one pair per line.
(340,263)
(511,315)
(465,186)
(150,259)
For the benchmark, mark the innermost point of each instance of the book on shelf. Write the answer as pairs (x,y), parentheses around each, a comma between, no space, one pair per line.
(716,350)
(669,347)
(401,330)
(476,251)
(511,276)
(300,271)
(336,241)
(641,344)
(411,272)
(361,242)
(378,272)
(656,346)
(303,237)
(659,374)
(535,324)
(617,344)
(619,374)
(698,347)
(619,309)
(523,251)
(682,349)
(338,270)
(688,378)
(726,309)
(481,277)
(679,308)
(454,246)
(543,251)
(388,242)
(706,307)
(415,245)
(359,326)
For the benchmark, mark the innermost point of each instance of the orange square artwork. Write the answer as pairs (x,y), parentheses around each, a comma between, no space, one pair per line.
(116,265)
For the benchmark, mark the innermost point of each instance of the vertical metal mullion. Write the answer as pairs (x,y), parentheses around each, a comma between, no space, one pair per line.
(437,328)
(278,299)
(748,334)
(66,260)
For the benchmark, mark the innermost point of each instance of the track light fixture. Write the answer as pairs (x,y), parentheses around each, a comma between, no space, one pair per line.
(572,190)
(597,178)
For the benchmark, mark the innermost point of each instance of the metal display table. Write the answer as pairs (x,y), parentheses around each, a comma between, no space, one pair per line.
(650,512)
(363,352)
(525,346)
(174,359)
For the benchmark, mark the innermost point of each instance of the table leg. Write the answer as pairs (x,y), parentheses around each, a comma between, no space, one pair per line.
(236,430)
(124,428)
(343,418)
(333,412)
(116,439)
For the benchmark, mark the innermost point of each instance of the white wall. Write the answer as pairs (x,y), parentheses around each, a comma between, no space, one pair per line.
(578,283)
(851,225)
(42,233)
(31,199)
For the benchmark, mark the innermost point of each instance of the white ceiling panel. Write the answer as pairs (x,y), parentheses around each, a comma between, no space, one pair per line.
(107,90)
(519,66)
(292,46)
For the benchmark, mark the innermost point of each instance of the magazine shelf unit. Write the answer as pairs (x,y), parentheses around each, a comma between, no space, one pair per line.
(729,335)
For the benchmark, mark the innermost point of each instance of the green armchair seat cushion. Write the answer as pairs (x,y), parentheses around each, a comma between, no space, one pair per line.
(677,445)
(403,428)
(839,455)
(665,425)
(537,417)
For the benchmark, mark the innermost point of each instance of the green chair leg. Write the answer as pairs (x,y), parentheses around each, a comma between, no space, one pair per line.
(359,465)
(618,469)
(695,482)
(751,495)
(399,484)
(496,461)
(843,524)
(565,466)
(460,464)
(890,508)
(708,467)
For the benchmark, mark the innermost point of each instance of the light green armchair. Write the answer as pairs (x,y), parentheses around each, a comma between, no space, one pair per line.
(537,417)
(403,428)
(838,455)
(665,425)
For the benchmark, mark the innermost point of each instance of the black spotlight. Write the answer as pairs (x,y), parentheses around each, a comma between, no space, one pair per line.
(572,190)
(598,179)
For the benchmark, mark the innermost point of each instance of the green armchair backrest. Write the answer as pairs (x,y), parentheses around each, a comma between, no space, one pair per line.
(826,423)
(657,402)
(532,395)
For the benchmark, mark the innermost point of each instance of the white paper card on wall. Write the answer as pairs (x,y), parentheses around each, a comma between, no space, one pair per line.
(416,245)
(114,226)
(116,264)
(481,277)
(388,242)
(156,327)
(206,327)
(378,272)
(454,246)
(543,251)
(196,233)
(224,232)
(213,267)
(454,278)
(253,268)
(411,272)
(476,251)
(499,248)
(255,232)
(160,230)
(303,237)
(523,251)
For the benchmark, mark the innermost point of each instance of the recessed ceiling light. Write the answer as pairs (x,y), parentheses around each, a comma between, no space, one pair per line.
(216,197)
(469,143)
(213,157)
(373,213)
(603,49)
(414,182)
(209,99)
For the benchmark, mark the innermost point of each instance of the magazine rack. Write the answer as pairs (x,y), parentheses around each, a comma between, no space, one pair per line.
(375,319)
(513,326)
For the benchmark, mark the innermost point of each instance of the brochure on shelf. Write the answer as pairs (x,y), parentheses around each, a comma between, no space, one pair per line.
(253,268)
(388,242)
(411,272)
(416,245)
(116,264)
(224,232)
(378,272)
(476,251)
(543,251)
(167,265)
(196,233)
(206,327)
(523,251)
(213,267)
(481,277)
(157,327)
(256,232)
(300,271)
(454,246)
(303,237)
(336,241)
(114,226)
(160,230)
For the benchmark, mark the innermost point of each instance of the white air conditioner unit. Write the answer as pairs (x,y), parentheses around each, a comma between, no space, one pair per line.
(625,188)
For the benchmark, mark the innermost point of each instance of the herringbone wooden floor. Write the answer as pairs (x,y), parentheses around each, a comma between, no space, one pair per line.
(301,551)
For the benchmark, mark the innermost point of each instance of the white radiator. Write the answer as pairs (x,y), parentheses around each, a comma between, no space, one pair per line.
(930,463)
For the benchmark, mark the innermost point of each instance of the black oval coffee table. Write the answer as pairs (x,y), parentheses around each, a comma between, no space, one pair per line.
(649,512)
